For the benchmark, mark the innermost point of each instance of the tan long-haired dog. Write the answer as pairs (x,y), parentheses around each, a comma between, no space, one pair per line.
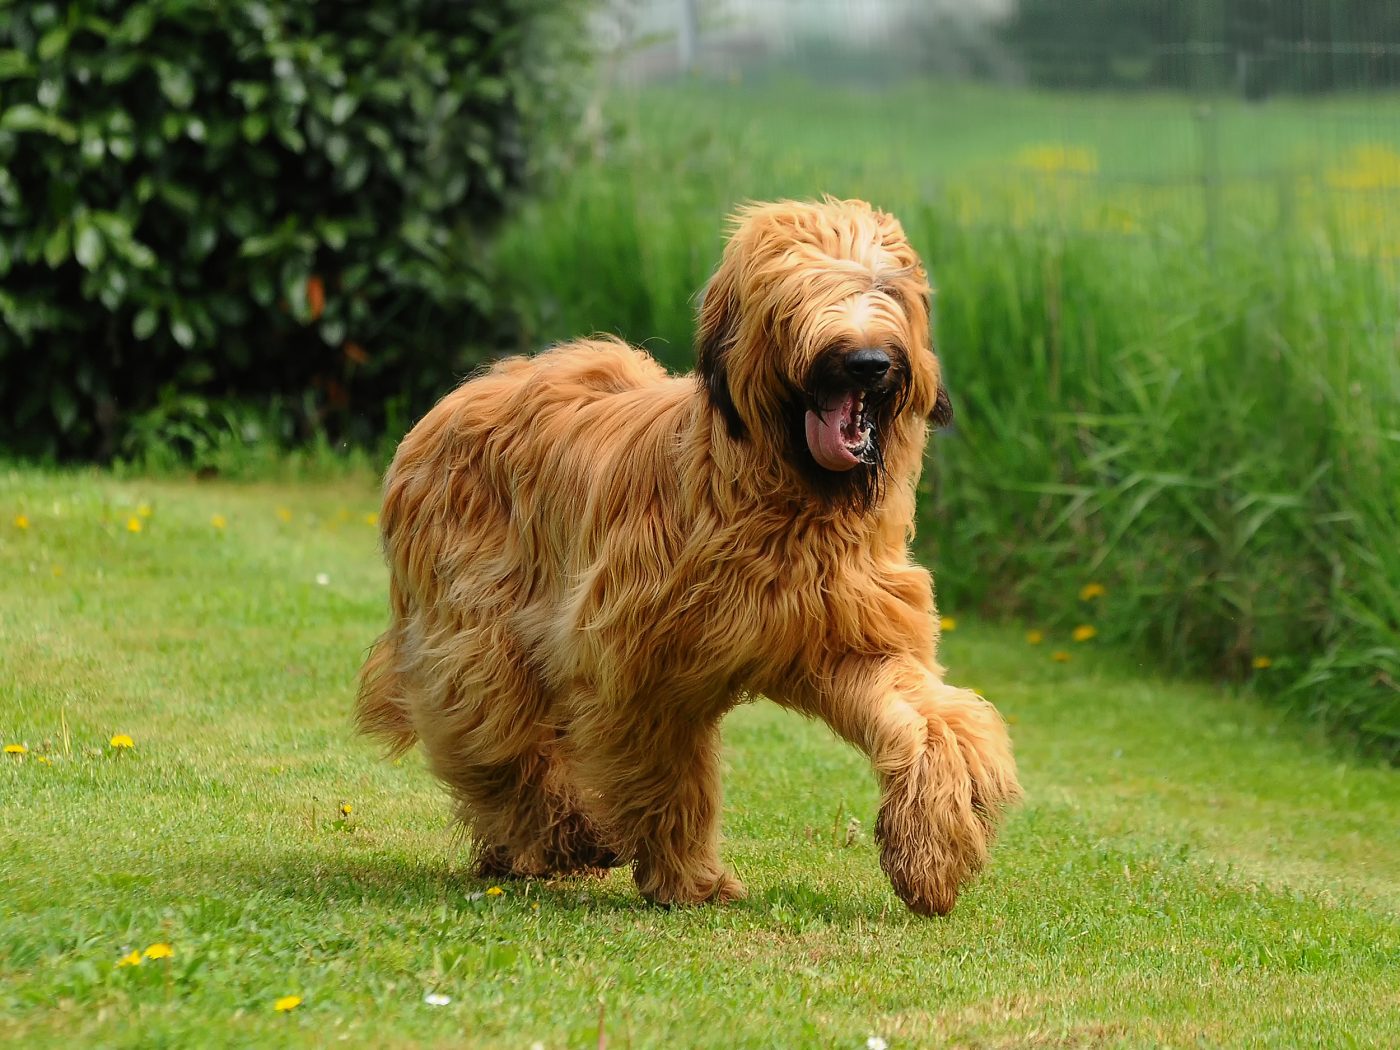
(592,562)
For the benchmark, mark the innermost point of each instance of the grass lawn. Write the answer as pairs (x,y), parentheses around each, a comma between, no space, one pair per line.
(945,130)
(1112,164)
(1187,870)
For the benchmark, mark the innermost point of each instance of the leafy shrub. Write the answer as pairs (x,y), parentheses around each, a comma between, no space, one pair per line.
(276,199)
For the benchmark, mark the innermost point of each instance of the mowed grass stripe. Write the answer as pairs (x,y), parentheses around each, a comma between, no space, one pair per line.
(1187,868)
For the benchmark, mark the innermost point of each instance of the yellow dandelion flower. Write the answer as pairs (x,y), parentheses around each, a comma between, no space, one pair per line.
(1035,637)
(1090,591)
(131,958)
(159,951)
(1060,656)
(121,740)
(218,521)
(144,510)
(371,519)
(16,749)
(1057,159)
(133,524)
(21,521)
(535,906)
(495,891)
(948,623)
(44,760)
(284,515)
(58,570)
(1084,632)
(346,809)
(287,1002)
(1262,663)
(1370,166)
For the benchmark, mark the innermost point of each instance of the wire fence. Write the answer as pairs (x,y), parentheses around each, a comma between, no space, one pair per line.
(1108,116)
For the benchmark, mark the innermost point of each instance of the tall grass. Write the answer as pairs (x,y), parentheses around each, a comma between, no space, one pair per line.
(1216,445)
(1211,436)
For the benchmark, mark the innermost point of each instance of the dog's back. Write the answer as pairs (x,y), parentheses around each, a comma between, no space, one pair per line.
(465,497)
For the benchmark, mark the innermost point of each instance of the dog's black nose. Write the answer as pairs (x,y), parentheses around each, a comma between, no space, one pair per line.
(868,365)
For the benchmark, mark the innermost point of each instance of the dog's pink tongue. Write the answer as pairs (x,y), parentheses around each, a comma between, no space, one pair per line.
(824,436)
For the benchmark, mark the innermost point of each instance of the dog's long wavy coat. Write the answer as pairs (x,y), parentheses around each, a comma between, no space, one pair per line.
(592,562)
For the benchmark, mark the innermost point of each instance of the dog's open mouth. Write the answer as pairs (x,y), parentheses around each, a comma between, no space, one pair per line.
(839,435)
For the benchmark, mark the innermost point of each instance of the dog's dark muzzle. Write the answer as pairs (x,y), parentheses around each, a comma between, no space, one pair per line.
(866,367)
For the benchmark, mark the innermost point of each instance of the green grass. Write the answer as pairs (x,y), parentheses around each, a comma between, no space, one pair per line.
(1189,396)
(1187,869)
(919,128)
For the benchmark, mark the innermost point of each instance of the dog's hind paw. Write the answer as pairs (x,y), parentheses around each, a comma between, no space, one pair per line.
(728,890)
(494,862)
(497,862)
(716,887)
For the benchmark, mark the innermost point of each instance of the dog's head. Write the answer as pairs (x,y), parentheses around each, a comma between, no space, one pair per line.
(813,338)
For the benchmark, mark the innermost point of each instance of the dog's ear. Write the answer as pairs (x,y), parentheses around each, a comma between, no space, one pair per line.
(715,332)
(942,413)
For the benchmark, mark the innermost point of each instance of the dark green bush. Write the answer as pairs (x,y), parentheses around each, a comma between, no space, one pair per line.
(1257,47)
(205,203)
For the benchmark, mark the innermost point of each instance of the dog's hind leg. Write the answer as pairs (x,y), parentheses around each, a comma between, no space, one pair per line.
(654,783)
(527,822)
(943,759)
(482,714)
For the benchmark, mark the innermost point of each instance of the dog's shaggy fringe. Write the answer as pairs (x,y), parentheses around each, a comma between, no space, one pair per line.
(592,562)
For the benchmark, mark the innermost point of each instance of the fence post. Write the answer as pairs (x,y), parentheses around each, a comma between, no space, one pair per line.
(688,34)
(1208,138)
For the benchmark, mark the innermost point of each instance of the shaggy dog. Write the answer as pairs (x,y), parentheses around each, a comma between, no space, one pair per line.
(591,562)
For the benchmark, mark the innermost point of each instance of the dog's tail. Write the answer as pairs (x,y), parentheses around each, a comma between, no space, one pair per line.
(379,707)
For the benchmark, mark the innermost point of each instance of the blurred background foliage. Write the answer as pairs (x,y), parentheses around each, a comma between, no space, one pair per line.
(1271,46)
(1165,239)
(207,206)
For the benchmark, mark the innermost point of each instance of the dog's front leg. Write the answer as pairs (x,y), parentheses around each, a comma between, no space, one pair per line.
(944,763)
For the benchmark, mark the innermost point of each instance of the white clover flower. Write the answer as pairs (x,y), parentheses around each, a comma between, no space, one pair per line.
(436,999)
